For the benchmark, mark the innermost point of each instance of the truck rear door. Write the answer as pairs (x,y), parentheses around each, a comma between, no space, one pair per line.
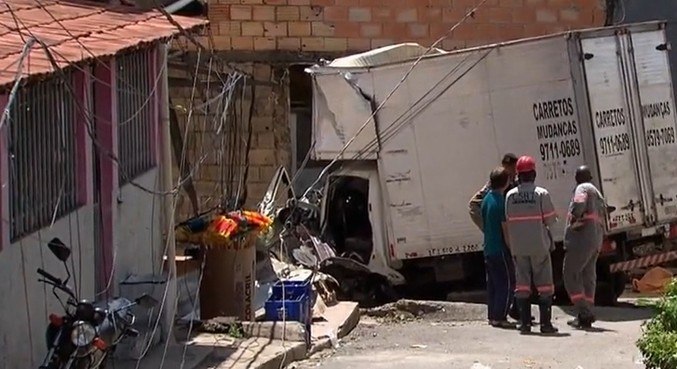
(612,131)
(654,87)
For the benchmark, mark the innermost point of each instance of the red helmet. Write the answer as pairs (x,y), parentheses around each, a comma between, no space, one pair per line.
(525,164)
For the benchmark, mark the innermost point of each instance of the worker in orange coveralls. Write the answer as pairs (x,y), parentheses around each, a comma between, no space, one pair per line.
(583,238)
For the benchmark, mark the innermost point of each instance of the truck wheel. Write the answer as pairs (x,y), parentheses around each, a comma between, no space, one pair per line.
(610,290)
(620,280)
(605,294)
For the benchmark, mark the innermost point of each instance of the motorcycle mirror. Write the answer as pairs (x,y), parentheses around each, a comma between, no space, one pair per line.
(610,209)
(146,301)
(59,249)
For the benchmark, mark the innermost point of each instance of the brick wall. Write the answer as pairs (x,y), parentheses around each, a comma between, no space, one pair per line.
(270,135)
(356,25)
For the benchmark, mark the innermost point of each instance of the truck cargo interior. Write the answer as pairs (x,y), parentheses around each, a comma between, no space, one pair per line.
(347,217)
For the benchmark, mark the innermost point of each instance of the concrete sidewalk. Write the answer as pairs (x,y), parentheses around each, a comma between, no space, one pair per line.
(269,345)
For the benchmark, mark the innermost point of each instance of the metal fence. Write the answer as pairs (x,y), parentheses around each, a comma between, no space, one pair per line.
(41,143)
(135,114)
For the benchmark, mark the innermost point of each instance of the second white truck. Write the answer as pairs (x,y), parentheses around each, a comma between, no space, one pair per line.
(601,97)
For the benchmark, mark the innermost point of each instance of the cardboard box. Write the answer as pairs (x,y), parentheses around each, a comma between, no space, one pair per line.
(227,287)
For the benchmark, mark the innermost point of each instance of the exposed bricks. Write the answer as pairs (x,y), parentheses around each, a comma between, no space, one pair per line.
(335,44)
(355,25)
(569,15)
(242,43)
(322,29)
(263,13)
(252,29)
(310,13)
(312,43)
(418,30)
(230,28)
(359,14)
(264,43)
(369,30)
(299,29)
(407,16)
(336,13)
(358,44)
(289,43)
(288,13)
(546,16)
(240,12)
(272,29)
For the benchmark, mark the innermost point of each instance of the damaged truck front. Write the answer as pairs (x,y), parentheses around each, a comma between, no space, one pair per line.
(414,140)
(370,212)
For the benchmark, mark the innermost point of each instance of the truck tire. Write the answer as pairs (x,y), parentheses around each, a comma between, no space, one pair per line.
(610,286)
(609,290)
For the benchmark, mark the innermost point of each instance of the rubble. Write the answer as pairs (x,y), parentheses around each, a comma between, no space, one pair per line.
(411,310)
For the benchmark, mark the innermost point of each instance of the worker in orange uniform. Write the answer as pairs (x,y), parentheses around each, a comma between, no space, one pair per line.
(583,238)
(530,214)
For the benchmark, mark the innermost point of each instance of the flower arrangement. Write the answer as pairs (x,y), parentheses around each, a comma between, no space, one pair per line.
(224,230)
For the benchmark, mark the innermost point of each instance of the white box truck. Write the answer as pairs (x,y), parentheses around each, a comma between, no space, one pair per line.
(601,97)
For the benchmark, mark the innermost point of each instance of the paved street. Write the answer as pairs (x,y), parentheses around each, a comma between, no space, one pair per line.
(433,344)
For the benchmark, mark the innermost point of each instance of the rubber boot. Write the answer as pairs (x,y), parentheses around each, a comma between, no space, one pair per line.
(545,309)
(525,315)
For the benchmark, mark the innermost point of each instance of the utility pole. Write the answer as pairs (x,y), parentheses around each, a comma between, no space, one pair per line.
(168,201)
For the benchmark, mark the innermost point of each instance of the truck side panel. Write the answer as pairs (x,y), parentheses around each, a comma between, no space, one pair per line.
(658,114)
(537,113)
(452,129)
(611,129)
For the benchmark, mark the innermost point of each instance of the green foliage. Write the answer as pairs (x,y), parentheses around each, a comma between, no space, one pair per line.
(658,343)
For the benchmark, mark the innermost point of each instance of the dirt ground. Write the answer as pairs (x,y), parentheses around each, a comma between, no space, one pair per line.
(438,341)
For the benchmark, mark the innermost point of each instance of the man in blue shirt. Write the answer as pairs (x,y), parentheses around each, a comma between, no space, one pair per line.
(500,283)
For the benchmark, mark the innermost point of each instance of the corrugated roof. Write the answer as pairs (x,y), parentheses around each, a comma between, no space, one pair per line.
(75,31)
(384,55)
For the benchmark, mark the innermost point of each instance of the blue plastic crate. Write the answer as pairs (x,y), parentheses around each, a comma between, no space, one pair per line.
(292,289)
(293,308)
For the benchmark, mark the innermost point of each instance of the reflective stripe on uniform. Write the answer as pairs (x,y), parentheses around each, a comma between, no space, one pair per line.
(546,288)
(576,297)
(539,217)
(522,288)
(594,217)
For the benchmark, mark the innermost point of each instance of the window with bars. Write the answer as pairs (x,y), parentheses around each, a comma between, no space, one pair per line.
(42,161)
(135,114)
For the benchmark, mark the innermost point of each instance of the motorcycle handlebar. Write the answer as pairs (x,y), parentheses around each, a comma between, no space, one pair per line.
(50,277)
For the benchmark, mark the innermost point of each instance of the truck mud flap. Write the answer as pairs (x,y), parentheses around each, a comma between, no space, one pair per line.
(643,262)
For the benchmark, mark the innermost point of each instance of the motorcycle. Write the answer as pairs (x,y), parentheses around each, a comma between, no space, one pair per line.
(86,335)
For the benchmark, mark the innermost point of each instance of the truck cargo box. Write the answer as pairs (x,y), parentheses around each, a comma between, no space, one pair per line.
(600,97)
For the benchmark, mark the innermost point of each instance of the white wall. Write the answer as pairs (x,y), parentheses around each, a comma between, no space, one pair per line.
(25,304)
(138,236)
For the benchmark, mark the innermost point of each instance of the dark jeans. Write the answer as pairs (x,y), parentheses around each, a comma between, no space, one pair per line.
(500,285)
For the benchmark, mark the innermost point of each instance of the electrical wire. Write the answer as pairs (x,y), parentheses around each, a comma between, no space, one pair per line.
(88,124)
(391,93)
(401,121)
(19,77)
(48,52)
(100,147)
